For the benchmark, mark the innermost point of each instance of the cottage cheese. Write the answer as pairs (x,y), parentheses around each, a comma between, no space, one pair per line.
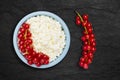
(47,35)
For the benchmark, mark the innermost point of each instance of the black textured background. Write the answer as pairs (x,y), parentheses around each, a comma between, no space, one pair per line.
(105,17)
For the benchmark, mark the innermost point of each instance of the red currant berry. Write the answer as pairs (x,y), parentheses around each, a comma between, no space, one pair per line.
(38,64)
(84,53)
(84,24)
(29,34)
(82,59)
(77,18)
(85,56)
(28,57)
(21,47)
(78,22)
(88,25)
(93,43)
(88,47)
(92,40)
(35,60)
(46,57)
(89,30)
(30,62)
(23,50)
(22,30)
(39,55)
(92,35)
(81,64)
(83,38)
(46,62)
(21,42)
(20,35)
(90,54)
(25,26)
(85,43)
(85,17)
(93,49)
(28,47)
(85,66)
(42,61)
(33,53)
(30,41)
(84,48)
(89,61)
(87,36)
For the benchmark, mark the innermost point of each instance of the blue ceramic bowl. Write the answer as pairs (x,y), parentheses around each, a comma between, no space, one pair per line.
(57,18)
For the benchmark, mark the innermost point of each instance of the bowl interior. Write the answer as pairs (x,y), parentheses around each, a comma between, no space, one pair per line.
(64,27)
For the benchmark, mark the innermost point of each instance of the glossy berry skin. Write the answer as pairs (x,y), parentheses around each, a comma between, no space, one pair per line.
(38,64)
(84,24)
(85,66)
(88,25)
(77,18)
(85,17)
(78,22)
(30,62)
(25,26)
(81,64)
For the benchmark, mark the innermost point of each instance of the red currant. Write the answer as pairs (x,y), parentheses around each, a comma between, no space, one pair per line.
(78,22)
(88,25)
(92,40)
(39,55)
(82,59)
(81,64)
(77,18)
(89,30)
(85,43)
(20,35)
(46,62)
(35,60)
(92,35)
(45,57)
(42,61)
(21,42)
(30,62)
(22,30)
(88,47)
(84,53)
(84,48)
(83,38)
(89,61)
(90,54)
(28,57)
(85,66)
(25,26)
(85,17)
(37,64)
(84,24)
(87,36)
(93,43)
(93,49)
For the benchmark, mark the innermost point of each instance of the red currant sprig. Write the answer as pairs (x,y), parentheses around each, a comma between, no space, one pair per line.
(88,38)
(26,47)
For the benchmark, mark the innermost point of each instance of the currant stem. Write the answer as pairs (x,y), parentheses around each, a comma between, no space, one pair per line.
(84,26)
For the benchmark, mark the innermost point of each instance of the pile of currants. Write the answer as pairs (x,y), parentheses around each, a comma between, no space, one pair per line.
(88,39)
(25,45)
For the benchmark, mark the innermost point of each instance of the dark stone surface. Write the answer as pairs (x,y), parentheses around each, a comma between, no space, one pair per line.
(105,17)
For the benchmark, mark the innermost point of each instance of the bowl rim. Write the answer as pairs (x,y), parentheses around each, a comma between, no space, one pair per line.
(66,31)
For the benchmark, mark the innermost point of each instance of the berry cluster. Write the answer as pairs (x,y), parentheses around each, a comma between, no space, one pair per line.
(26,47)
(88,39)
